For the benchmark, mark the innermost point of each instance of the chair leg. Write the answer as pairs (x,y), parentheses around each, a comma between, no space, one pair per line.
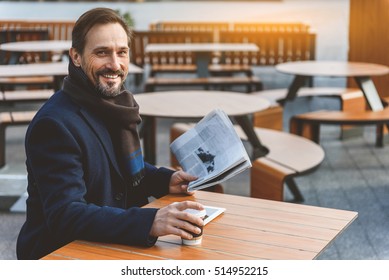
(2,146)
(292,186)
(310,131)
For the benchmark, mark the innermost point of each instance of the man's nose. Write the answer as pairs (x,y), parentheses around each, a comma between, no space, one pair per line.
(114,62)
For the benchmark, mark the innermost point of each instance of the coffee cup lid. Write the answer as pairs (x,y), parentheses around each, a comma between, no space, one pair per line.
(198,213)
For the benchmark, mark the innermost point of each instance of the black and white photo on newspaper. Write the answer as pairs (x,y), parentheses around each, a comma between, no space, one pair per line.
(211,150)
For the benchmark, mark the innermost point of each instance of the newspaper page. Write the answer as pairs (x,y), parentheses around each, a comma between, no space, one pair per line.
(211,150)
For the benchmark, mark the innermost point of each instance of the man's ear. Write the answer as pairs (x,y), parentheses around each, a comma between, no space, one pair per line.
(75,57)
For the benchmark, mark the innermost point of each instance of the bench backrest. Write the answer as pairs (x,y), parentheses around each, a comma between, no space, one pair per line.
(142,38)
(275,47)
(271,26)
(278,41)
(58,30)
(187,26)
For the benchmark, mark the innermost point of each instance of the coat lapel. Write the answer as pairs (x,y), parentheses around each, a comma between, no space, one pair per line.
(104,137)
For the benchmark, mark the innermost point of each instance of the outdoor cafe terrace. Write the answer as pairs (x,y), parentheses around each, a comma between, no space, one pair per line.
(346,167)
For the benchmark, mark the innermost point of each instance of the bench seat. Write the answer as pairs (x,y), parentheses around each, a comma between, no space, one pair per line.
(214,69)
(289,156)
(308,124)
(251,83)
(349,97)
(32,95)
(38,81)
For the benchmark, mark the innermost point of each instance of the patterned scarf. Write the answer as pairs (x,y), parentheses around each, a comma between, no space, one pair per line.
(120,113)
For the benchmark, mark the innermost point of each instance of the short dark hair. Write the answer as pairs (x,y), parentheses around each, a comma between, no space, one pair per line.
(94,17)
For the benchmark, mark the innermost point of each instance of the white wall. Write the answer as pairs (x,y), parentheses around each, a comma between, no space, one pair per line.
(328,17)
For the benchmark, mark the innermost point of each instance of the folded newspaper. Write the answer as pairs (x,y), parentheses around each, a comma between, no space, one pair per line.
(211,150)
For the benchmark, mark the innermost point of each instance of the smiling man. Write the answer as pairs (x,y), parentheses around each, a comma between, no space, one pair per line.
(86,174)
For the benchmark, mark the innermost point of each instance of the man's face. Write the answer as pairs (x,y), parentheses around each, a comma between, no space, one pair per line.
(105,58)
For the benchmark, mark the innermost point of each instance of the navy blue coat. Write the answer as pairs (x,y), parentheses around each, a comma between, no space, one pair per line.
(75,187)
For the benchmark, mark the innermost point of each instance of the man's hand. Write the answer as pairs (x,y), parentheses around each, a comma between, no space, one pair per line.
(179,182)
(172,219)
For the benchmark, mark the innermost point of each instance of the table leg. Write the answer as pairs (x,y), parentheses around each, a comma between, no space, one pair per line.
(291,184)
(298,82)
(148,133)
(202,61)
(366,84)
(14,58)
(259,150)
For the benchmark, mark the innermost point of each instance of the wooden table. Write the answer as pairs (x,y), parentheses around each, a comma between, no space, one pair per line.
(361,72)
(249,229)
(195,105)
(203,51)
(56,69)
(17,48)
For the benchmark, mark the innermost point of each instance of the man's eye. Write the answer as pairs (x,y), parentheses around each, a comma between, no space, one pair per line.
(123,53)
(101,53)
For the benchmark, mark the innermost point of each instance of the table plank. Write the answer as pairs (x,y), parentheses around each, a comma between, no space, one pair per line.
(94,251)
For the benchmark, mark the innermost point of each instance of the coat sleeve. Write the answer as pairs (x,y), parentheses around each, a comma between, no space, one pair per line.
(55,159)
(157,180)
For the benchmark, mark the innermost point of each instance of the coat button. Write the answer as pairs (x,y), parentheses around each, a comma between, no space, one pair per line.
(119,196)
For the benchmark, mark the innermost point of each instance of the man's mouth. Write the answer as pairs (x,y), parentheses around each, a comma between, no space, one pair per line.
(111,74)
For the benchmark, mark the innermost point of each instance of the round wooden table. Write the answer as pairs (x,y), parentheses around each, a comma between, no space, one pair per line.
(196,104)
(360,71)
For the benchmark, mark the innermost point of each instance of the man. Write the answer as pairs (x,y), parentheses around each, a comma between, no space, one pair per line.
(86,175)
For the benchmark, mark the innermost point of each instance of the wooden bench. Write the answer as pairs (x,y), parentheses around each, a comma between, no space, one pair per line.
(8,119)
(213,26)
(351,99)
(58,29)
(216,27)
(289,156)
(35,82)
(278,42)
(291,27)
(308,124)
(251,83)
(214,69)
(38,95)
(274,47)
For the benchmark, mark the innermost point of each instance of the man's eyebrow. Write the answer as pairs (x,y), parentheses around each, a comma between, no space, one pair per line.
(100,48)
(106,47)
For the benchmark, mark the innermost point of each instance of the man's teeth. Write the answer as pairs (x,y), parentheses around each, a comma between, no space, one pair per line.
(111,76)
